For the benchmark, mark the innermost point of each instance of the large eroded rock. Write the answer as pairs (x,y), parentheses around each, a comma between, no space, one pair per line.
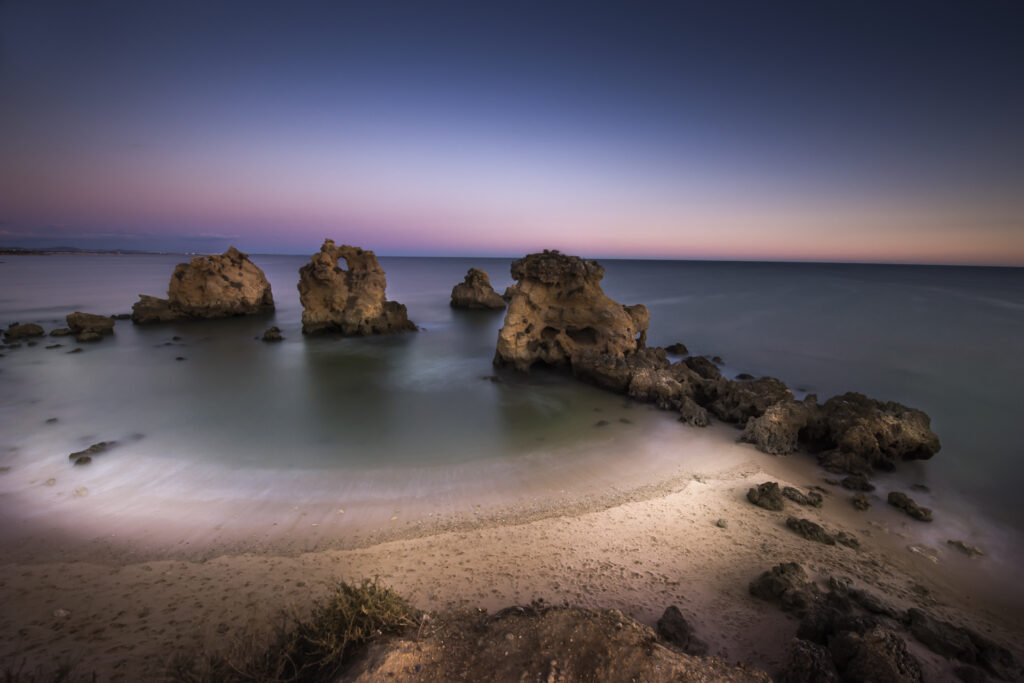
(350,302)
(209,287)
(559,314)
(475,291)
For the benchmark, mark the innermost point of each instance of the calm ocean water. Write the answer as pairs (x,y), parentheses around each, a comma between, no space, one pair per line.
(947,340)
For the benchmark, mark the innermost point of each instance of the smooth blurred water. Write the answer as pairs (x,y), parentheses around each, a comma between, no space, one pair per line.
(946,340)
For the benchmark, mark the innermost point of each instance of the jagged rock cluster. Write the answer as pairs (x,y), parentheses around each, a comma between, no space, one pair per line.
(849,634)
(349,302)
(476,292)
(559,315)
(209,287)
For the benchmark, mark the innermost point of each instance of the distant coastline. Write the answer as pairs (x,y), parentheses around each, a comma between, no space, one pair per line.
(21,251)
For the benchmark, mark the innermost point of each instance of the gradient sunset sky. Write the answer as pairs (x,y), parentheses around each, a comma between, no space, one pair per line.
(851,131)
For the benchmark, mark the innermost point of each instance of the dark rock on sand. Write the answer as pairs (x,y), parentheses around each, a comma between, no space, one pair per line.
(877,656)
(272,334)
(812,498)
(18,331)
(788,586)
(84,457)
(678,349)
(969,550)
(60,332)
(808,662)
(857,482)
(692,414)
(219,286)
(674,629)
(860,501)
(559,316)
(810,530)
(349,302)
(905,503)
(476,292)
(767,496)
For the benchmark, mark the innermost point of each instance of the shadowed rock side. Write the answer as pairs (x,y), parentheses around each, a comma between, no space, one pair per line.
(350,302)
(558,315)
(209,287)
(526,643)
(476,292)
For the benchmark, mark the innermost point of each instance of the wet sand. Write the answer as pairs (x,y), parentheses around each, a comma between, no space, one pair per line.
(120,593)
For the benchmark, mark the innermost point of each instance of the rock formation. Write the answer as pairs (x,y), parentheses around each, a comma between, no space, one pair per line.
(350,302)
(16,332)
(476,292)
(209,287)
(89,326)
(558,315)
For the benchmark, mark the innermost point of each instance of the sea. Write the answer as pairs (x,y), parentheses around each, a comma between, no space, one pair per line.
(205,410)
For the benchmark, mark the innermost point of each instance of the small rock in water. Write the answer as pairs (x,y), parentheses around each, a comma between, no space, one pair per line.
(54,346)
(51,481)
(51,420)
(601,423)
(89,336)
(60,332)
(272,334)
(744,376)
(767,496)
(85,457)
(717,360)
(625,421)
(860,501)
(969,550)
(903,502)
(857,482)
(84,460)
(81,492)
(180,358)
(77,349)
(175,338)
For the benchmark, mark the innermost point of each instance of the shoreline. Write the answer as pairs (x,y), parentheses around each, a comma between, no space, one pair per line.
(637,551)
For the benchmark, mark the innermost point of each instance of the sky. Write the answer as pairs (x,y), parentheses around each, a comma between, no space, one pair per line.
(819,130)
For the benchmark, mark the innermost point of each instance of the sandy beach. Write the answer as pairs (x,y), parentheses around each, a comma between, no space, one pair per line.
(122,604)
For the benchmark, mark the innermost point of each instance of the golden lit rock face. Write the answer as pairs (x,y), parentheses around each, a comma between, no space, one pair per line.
(350,302)
(476,292)
(220,286)
(558,313)
(209,287)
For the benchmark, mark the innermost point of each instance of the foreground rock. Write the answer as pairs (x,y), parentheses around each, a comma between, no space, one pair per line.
(209,287)
(902,501)
(675,630)
(350,302)
(17,332)
(89,326)
(476,292)
(766,495)
(539,644)
(559,316)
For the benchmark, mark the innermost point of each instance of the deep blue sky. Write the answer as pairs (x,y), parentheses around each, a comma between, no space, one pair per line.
(856,130)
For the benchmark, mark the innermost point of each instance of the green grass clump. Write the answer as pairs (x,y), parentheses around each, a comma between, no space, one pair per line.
(307,650)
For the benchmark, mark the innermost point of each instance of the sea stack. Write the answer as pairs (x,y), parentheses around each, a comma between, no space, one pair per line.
(476,292)
(209,287)
(350,302)
(558,314)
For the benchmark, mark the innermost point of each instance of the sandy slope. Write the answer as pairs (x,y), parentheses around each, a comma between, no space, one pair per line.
(117,612)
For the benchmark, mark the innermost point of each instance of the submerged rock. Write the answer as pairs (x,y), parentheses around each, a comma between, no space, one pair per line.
(350,302)
(17,332)
(272,334)
(60,332)
(209,287)
(84,457)
(674,629)
(905,503)
(969,550)
(559,316)
(476,292)
(767,496)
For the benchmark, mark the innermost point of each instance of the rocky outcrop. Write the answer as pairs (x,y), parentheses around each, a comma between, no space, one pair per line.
(777,430)
(17,332)
(350,302)
(476,292)
(767,496)
(209,287)
(902,501)
(558,315)
(89,326)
